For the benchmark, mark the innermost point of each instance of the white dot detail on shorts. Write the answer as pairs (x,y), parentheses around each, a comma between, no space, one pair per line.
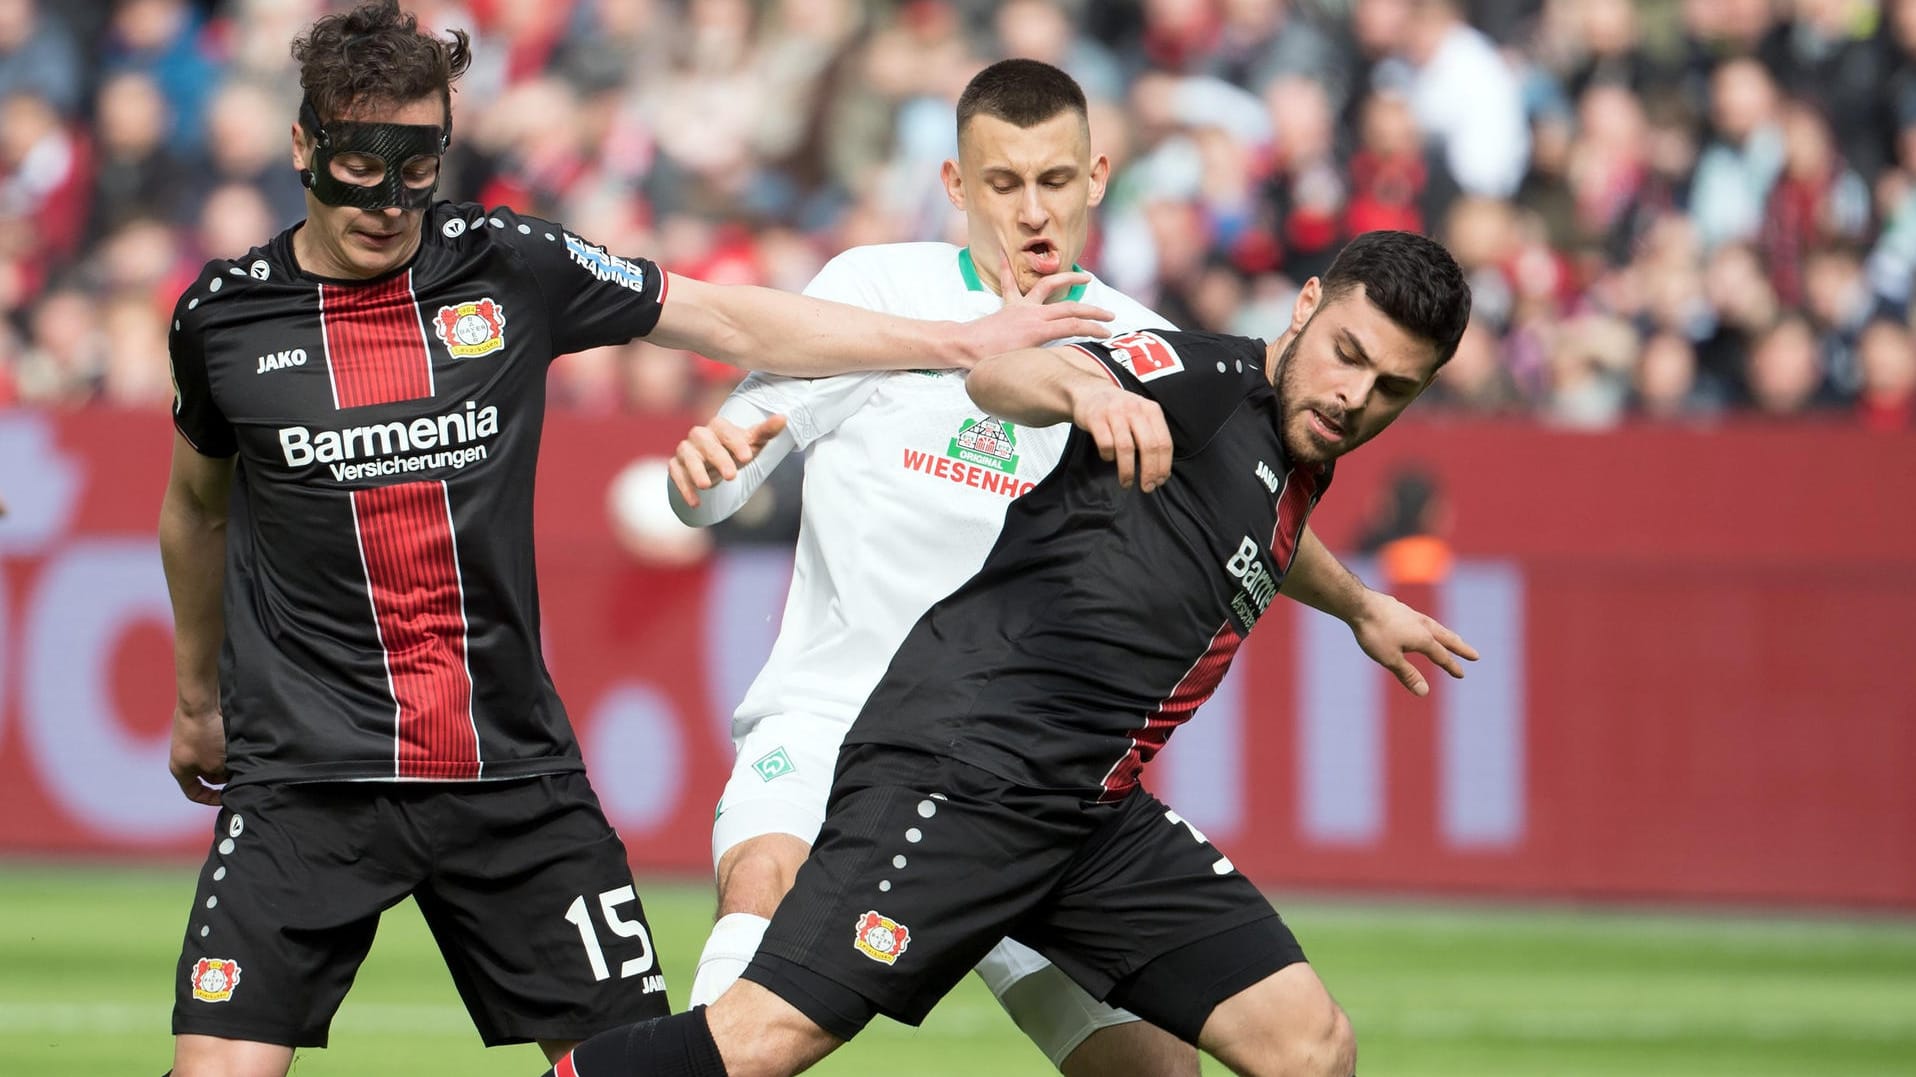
(884,885)
(176,325)
(914,835)
(525,229)
(193,304)
(1220,366)
(898,861)
(205,931)
(235,826)
(495,222)
(927,809)
(214,284)
(212,901)
(219,873)
(226,846)
(550,237)
(1240,366)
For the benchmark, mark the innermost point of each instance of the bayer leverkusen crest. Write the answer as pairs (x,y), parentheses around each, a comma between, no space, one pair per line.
(881,938)
(214,979)
(470,330)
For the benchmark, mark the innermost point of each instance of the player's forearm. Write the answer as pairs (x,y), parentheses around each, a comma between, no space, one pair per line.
(1033,387)
(1320,581)
(766,329)
(193,555)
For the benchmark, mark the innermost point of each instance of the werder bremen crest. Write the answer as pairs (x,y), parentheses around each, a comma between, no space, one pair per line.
(987,442)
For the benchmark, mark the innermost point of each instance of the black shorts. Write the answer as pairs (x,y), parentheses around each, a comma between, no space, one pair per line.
(925,863)
(524,884)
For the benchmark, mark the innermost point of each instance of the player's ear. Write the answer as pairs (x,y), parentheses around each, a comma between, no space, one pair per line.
(1307,299)
(299,147)
(1100,175)
(954,184)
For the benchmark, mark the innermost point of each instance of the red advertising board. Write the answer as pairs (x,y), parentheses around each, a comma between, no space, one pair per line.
(1694,681)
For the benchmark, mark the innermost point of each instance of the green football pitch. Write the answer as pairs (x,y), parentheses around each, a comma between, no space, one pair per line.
(86,963)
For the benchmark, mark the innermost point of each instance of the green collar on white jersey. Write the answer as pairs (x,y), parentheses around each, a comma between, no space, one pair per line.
(972,282)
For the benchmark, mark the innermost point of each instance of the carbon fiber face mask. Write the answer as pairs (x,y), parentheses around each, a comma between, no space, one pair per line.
(392,144)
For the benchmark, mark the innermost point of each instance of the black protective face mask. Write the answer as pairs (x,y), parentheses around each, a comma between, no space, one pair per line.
(392,144)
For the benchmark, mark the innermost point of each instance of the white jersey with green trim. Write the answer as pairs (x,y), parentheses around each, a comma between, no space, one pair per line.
(906,482)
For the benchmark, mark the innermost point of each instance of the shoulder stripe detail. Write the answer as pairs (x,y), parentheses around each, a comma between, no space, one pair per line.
(1100,360)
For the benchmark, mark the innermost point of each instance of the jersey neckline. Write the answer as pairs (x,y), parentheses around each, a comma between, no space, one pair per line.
(969,271)
(285,242)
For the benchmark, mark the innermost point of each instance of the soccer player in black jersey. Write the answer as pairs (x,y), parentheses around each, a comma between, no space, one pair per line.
(347,537)
(991,785)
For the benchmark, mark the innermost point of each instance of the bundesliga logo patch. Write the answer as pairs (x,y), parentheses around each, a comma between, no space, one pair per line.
(470,330)
(881,938)
(214,979)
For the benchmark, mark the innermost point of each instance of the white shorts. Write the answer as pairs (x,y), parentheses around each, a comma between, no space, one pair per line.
(781,779)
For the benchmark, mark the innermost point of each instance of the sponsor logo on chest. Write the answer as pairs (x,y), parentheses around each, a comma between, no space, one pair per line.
(983,455)
(1256,586)
(281,360)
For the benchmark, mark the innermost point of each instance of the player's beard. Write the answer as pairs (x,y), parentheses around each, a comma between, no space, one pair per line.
(1293,427)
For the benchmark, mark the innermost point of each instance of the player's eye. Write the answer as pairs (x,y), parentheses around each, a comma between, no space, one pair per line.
(1004,188)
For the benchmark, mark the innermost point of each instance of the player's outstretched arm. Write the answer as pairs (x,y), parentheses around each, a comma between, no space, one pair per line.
(193,553)
(1045,386)
(1388,630)
(766,329)
(719,466)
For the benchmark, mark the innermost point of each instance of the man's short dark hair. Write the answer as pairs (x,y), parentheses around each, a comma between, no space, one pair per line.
(1023,93)
(375,55)
(1409,277)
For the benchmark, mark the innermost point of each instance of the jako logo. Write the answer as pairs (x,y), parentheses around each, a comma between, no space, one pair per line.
(1266,476)
(281,360)
(302,447)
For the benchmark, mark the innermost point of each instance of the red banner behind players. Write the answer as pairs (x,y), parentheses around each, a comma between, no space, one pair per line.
(1692,684)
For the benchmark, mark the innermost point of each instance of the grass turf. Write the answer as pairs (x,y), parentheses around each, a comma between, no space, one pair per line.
(86,964)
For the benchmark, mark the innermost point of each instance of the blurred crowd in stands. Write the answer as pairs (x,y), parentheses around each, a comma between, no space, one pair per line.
(1673,210)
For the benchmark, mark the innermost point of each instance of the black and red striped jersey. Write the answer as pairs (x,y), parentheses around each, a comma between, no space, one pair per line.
(382,616)
(1104,617)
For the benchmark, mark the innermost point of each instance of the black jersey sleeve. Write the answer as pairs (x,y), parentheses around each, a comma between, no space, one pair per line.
(592,297)
(196,414)
(1199,379)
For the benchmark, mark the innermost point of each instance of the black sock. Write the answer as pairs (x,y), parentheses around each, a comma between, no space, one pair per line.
(677,1046)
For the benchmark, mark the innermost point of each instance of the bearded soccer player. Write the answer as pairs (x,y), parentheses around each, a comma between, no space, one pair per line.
(907,483)
(991,783)
(347,537)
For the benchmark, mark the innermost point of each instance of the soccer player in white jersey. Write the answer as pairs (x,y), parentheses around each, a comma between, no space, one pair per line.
(906,486)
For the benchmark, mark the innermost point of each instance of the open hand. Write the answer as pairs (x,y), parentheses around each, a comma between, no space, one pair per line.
(1390,632)
(1030,319)
(713,453)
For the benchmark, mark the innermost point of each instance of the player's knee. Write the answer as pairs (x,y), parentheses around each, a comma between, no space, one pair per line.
(754,875)
(1322,1045)
(761,1035)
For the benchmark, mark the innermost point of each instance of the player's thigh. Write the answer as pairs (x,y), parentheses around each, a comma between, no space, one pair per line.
(532,903)
(212,1056)
(1059,1017)
(780,779)
(1145,887)
(285,910)
(921,866)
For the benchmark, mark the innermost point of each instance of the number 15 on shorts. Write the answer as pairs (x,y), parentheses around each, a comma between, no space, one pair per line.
(579,913)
